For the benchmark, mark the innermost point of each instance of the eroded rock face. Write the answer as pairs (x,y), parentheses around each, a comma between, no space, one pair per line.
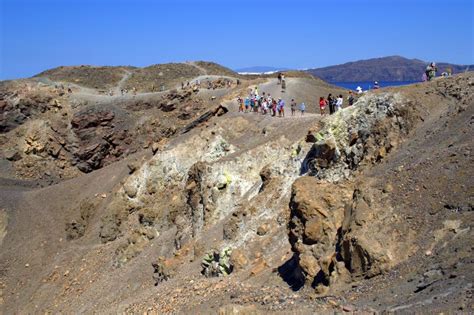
(317,211)
(197,196)
(359,136)
(372,239)
(340,233)
(98,138)
(13,114)
(335,230)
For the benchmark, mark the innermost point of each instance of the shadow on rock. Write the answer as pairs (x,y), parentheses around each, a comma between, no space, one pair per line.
(292,274)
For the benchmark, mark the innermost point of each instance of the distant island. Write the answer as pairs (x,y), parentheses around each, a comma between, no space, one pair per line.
(393,68)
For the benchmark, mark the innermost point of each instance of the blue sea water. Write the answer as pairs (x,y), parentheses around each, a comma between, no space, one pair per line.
(367,85)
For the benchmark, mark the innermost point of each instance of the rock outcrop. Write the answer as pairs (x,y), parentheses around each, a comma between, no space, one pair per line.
(336,230)
(360,135)
(315,227)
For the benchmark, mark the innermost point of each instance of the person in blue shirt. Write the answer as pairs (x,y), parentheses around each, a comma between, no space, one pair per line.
(247,104)
(302,108)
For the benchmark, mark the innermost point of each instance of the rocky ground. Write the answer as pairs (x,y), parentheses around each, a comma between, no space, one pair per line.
(173,202)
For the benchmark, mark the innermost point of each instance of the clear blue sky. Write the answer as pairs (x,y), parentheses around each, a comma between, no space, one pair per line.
(39,34)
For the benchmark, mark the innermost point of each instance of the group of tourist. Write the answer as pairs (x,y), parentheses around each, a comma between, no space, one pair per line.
(335,103)
(211,84)
(266,104)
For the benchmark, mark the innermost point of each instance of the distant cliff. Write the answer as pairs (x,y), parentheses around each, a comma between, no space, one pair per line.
(393,68)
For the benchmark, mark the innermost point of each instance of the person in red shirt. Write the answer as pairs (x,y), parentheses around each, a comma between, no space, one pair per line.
(322,105)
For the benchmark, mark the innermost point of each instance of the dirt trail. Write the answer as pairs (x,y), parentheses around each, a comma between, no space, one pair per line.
(121,83)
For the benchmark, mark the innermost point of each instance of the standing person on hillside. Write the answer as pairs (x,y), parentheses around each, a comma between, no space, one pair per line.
(322,105)
(279,78)
(376,85)
(247,104)
(282,108)
(241,104)
(264,106)
(350,99)
(279,107)
(331,104)
(302,108)
(283,83)
(293,107)
(274,107)
(339,102)
(431,71)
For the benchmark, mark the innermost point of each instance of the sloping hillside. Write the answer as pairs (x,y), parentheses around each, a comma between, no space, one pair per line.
(212,68)
(394,68)
(170,75)
(87,76)
(369,209)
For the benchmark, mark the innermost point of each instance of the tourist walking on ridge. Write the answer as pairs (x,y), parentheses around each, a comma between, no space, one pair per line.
(281,108)
(431,71)
(264,106)
(240,102)
(279,78)
(283,83)
(339,102)
(376,85)
(274,107)
(331,104)
(302,108)
(350,99)
(322,105)
(293,107)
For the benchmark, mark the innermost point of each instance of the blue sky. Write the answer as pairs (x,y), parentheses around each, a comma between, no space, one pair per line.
(39,34)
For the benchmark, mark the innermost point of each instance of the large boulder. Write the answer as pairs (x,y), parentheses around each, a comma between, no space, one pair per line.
(334,231)
(317,210)
(370,242)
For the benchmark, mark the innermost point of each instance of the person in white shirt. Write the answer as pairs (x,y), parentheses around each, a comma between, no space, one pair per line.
(339,103)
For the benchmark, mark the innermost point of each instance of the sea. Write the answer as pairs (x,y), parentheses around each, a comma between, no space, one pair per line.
(367,85)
